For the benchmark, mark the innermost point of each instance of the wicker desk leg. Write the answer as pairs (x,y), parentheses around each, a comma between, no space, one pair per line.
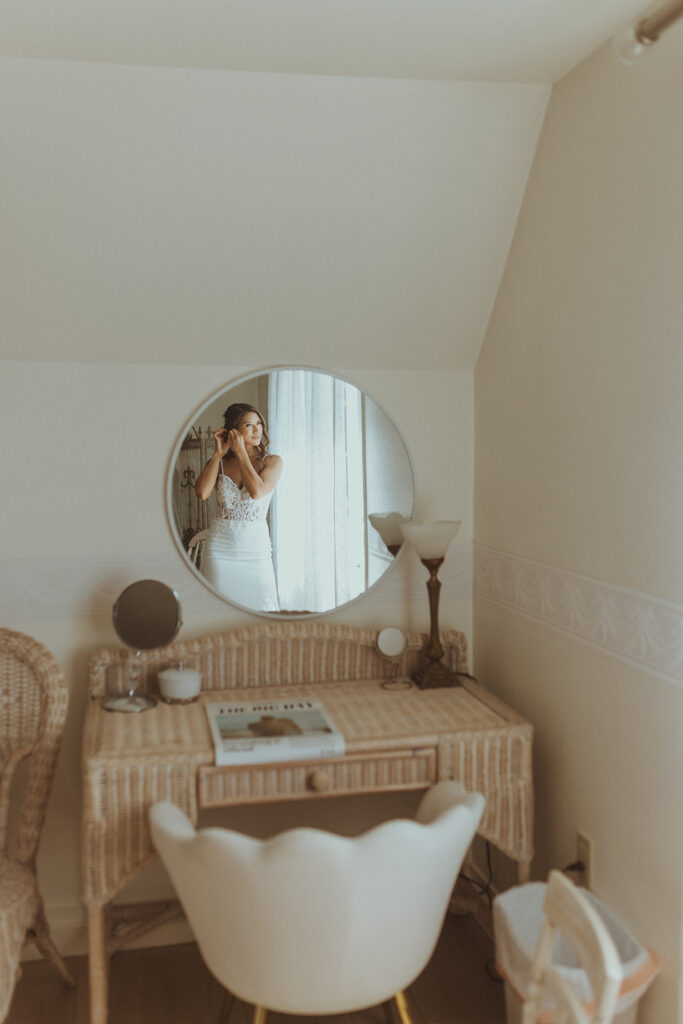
(523,871)
(98,964)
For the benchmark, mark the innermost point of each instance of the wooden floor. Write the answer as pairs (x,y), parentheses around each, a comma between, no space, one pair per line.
(171,985)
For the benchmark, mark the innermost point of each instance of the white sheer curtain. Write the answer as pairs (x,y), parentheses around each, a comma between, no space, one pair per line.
(318,512)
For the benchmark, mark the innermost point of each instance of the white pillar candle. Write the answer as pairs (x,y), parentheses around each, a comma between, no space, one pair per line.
(180,683)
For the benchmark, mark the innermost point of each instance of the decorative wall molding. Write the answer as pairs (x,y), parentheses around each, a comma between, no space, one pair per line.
(33,590)
(641,629)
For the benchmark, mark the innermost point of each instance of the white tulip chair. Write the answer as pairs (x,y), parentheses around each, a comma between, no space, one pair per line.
(309,922)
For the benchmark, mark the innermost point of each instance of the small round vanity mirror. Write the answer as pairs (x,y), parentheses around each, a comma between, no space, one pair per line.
(391,643)
(146,615)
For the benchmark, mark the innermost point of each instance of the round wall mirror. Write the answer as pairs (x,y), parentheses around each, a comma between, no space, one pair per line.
(277,520)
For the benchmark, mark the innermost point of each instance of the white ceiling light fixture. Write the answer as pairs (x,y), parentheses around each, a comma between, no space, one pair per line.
(634,39)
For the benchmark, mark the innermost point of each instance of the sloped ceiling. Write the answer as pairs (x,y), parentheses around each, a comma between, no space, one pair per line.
(174,193)
(485,40)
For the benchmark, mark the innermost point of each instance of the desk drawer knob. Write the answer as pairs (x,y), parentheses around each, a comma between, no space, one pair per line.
(320,780)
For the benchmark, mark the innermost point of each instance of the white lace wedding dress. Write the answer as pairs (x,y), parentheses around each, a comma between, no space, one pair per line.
(237,557)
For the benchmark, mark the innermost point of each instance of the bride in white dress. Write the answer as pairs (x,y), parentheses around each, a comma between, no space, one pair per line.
(237,557)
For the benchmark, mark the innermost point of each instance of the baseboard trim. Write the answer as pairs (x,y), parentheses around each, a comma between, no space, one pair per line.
(69,932)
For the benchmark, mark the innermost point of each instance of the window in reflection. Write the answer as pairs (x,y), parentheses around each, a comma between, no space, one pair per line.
(318,512)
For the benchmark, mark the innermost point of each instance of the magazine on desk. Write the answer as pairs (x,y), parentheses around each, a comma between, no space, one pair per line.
(272,730)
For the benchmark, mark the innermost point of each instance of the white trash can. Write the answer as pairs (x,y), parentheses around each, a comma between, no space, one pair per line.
(517,920)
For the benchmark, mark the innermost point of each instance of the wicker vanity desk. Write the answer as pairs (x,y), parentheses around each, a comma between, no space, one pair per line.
(395,740)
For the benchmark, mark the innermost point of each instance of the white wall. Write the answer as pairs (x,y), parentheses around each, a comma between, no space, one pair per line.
(579,490)
(87,448)
(167,215)
(251,392)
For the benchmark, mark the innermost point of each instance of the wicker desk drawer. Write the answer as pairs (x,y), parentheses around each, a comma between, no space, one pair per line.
(414,768)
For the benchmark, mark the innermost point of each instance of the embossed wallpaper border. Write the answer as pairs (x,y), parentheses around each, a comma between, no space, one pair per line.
(644,630)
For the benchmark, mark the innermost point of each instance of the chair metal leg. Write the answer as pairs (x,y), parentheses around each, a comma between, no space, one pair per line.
(259,1015)
(402,1007)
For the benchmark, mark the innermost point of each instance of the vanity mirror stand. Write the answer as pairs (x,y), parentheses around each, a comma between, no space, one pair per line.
(146,615)
(391,644)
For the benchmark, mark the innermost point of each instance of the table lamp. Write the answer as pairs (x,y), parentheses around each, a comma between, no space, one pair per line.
(431,541)
(389,528)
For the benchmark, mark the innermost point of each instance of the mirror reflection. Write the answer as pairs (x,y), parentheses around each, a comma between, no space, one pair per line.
(272,486)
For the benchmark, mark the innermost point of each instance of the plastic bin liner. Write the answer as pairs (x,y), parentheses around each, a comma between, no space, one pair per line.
(517,920)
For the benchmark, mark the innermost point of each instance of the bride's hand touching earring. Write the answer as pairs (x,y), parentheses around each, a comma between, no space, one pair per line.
(221,441)
(236,443)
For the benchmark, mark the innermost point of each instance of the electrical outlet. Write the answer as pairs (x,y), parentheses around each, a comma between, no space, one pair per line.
(584,853)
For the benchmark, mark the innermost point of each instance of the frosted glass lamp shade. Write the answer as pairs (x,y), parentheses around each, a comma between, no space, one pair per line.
(430,540)
(389,527)
(628,46)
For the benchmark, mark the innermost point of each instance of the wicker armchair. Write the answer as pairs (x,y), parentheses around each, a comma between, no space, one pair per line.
(33,704)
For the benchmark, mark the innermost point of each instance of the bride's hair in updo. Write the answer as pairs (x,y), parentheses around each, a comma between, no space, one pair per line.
(234,415)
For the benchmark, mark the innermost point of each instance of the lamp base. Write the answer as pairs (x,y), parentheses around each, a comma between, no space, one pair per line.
(433,675)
